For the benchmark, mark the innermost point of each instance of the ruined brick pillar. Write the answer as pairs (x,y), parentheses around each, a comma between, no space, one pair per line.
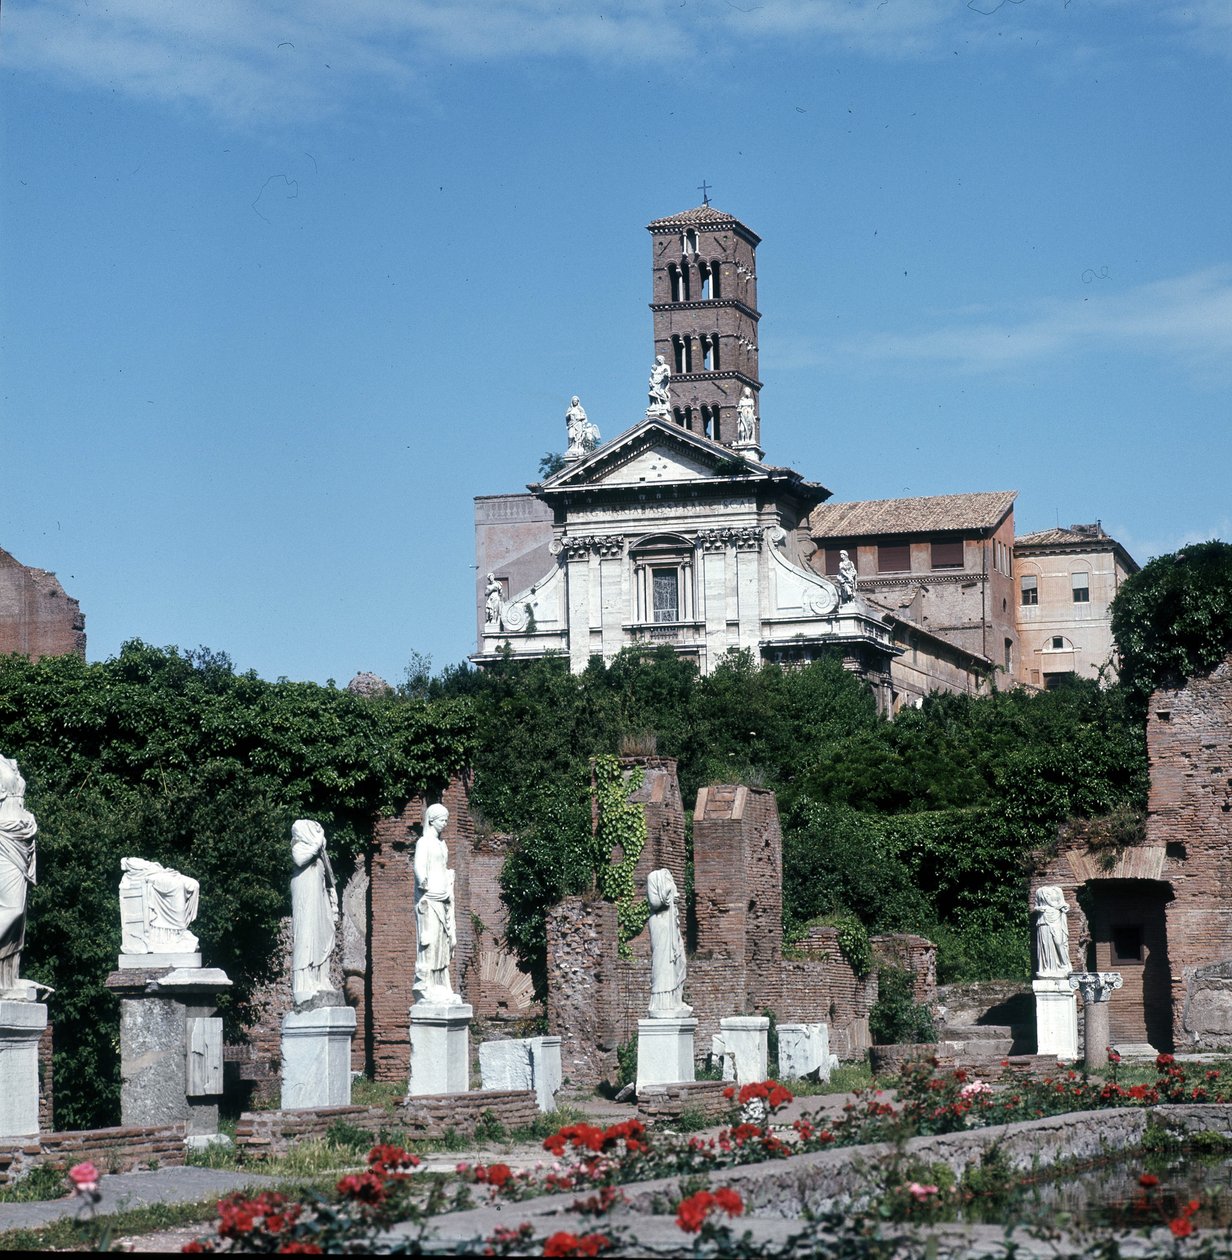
(581,964)
(738,875)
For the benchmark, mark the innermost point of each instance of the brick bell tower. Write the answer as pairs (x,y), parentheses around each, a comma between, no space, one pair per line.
(705,318)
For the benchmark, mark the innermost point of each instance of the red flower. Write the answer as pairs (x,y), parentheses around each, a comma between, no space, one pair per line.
(692,1213)
(1113,1057)
(299,1247)
(562,1244)
(392,1161)
(1164,1060)
(1181,1227)
(729,1201)
(1147,1180)
(363,1187)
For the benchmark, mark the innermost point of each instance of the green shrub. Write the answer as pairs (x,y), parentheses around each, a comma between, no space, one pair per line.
(896,1017)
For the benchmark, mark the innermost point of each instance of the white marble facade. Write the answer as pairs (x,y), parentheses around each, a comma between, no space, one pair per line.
(659,538)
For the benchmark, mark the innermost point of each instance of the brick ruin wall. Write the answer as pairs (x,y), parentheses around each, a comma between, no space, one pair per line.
(1184,863)
(37,618)
(121,1149)
(596,997)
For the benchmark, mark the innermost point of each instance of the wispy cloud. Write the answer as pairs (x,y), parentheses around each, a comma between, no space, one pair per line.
(289,57)
(1186,319)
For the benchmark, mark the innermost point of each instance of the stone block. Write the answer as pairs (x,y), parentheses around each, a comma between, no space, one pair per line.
(440,1049)
(526,1063)
(506,1065)
(804,1051)
(316,1057)
(152,1061)
(664,1051)
(21,1026)
(1056,1018)
(546,1061)
(204,1064)
(746,1040)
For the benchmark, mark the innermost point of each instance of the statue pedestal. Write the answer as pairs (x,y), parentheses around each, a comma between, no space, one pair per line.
(316,1057)
(1056,1018)
(440,1049)
(746,1045)
(171,1047)
(21,1026)
(664,1051)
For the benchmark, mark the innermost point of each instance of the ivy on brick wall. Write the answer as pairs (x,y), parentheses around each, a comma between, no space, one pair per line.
(174,756)
(620,826)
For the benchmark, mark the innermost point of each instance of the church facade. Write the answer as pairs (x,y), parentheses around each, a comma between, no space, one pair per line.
(677,532)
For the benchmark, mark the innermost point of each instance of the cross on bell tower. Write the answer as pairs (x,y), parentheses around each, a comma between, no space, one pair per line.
(704,302)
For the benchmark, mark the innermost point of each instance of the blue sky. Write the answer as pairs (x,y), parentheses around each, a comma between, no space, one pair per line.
(284,285)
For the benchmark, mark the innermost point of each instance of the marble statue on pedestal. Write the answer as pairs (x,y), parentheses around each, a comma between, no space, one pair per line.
(156,906)
(660,388)
(435,924)
(746,417)
(848,578)
(17,829)
(314,912)
(1051,933)
(583,436)
(667,958)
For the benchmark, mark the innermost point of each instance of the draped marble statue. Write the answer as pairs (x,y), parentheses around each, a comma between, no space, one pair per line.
(1051,932)
(848,578)
(660,387)
(583,436)
(435,923)
(156,906)
(17,829)
(667,960)
(746,416)
(314,912)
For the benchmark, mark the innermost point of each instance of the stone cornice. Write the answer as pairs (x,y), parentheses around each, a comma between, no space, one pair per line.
(924,579)
(703,304)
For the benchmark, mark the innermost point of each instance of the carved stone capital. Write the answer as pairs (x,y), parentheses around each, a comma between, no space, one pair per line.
(740,537)
(579,546)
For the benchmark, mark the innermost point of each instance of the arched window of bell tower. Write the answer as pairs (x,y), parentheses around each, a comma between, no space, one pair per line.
(690,242)
(703,271)
(682,348)
(710,422)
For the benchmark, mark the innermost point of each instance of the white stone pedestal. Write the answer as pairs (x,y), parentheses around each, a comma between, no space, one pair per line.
(440,1049)
(523,1063)
(21,1026)
(746,1046)
(316,1057)
(664,1051)
(1056,1018)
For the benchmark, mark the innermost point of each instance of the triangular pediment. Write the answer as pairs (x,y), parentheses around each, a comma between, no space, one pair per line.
(653,451)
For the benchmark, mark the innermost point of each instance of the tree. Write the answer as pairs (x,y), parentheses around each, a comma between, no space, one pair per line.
(1173,619)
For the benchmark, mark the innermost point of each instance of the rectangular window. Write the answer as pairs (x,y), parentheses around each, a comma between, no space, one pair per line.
(1030,590)
(894,558)
(948,555)
(1127,943)
(1009,656)
(833,559)
(665,589)
(1082,589)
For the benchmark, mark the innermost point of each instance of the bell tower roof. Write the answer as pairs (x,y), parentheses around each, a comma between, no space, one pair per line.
(706,215)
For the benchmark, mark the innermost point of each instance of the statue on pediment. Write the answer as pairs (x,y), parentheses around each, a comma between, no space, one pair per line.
(583,436)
